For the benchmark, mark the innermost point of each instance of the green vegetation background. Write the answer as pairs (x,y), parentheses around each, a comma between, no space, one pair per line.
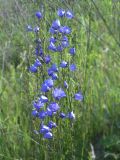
(96,29)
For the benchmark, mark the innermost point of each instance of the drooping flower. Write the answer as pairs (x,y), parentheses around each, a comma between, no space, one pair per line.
(38,104)
(48,135)
(37,63)
(61,12)
(69,15)
(72,67)
(43,99)
(52,47)
(54,76)
(54,107)
(52,124)
(47,59)
(34,113)
(72,51)
(63,64)
(71,115)
(49,82)
(44,88)
(78,96)
(52,39)
(56,24)
(33,69)
(44,129)
(54,67)
(42,114)
(58,93)
(64,30)
(62,115)
(38,14)
(65,84)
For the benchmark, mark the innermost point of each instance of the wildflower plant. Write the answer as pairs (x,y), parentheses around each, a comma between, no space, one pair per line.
(55,98)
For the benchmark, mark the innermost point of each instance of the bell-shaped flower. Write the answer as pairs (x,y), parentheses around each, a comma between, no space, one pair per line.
(63,64)
(64,30)
(45,88)
(38,104)
(33,69)
(43,99)
(42,114)
(48,135)
(78,96)
(72,51)
(54,107)
(38,14)
(69,15)
(52,47)
(72,67)
(71,115)
(34,113)
(61,12)
(56,24)
(52,124)
(37,63)
(44,129)
(47,59)
(62,115)
(49,82)
(58,93)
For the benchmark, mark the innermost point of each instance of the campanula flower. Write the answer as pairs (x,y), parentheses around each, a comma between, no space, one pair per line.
(51,124)
(65,84)
(54,67)
(62,115)
(37,63)
(61,12)
(72,51)
(34,113)
(54,76)
(49,82)
(64,30)
(47,59)
(78,96)
(65,44)
(39,51)
(52,47)
(54,107)
(48,135)
(43,99)
(63,64)
(58,93)
(72,67)
(60,48)
(44,129)
(33,69)
(69,15)
(71,115)
(38,104)
(42,114)
(52,39)
(56,24)
(49,112)
(38,14)
(45,88)
(53,31)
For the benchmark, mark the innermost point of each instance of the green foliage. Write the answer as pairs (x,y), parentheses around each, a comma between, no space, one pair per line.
(96,36)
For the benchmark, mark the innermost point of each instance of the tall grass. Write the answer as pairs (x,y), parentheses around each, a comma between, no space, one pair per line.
(96,36)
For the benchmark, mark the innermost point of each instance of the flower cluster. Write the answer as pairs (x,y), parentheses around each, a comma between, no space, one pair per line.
(52,89)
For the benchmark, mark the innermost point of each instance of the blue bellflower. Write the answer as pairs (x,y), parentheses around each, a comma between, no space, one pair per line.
(58,93)
(54,107)
(37,63)
(71,115)
(72,67)
(63,64)
(47,59)
(51,124)
(69,15)
(48,135)
(38,14)
(61,12)
(72,51)
(56,24)
(33,69)
(78,96)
